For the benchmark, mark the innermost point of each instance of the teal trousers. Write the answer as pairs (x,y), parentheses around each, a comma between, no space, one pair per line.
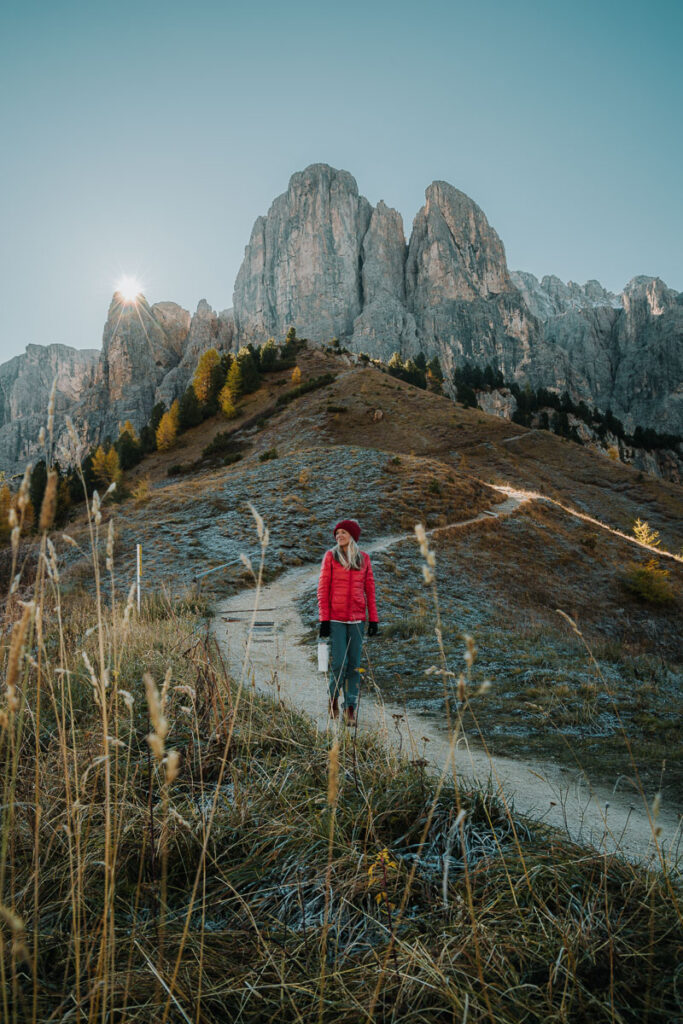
(347,647)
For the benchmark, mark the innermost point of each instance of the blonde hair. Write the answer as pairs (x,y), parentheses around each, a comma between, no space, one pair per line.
(352,558)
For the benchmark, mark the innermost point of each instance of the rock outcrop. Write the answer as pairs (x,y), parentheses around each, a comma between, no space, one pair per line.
(623,353)
(385,326)
(25,386)
(326,262)
(302,266)
(459,289)
(148,354)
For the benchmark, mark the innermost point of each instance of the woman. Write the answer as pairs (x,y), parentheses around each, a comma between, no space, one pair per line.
(346,586)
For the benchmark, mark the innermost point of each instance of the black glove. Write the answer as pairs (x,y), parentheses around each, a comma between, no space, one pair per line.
(325,628)
(373,628)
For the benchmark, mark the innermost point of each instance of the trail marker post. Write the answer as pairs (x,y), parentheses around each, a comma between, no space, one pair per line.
(138,573)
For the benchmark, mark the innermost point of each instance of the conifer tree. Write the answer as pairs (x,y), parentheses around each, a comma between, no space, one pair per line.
(234,382)
(268,356)
(128,447)
(249,371)
(190,413)
(226,403)
(129,429)
(105,466)
(167,431)
(204,380)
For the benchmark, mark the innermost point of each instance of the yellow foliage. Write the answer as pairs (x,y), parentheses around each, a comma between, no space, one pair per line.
(650,582)
(234,383)
(203,375)
(129,429)
(142,491)
(167,431)
(225,401)
(105,466)
(296,375)
(643,533)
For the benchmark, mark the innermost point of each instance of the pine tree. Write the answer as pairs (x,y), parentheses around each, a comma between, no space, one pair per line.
(250,374)
(268,356)
(105,466)
(203,380)
(225,402)
(190,413)
(643,532)
(167,431)
(234,382)
(129,429)
(128,447)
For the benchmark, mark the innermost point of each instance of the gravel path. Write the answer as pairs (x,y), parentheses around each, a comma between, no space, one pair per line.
(279,664)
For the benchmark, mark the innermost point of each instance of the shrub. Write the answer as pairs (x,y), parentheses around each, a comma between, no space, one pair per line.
(221,444)
(303,389)
(142,491)
(650,582)
(270,453)
(643,533)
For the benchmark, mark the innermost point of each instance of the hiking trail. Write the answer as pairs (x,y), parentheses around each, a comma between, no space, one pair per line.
(280,664)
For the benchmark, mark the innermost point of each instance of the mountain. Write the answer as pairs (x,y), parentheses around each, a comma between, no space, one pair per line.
(327,262)
(148,355)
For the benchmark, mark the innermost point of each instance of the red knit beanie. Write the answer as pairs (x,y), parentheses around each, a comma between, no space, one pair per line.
(351,526)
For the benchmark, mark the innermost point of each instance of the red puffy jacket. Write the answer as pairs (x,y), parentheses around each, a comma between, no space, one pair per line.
(342,592)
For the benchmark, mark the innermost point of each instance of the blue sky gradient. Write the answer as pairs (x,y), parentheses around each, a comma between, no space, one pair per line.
(145,138)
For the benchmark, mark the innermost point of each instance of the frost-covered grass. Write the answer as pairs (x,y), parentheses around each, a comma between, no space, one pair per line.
(502,583)
(178,848)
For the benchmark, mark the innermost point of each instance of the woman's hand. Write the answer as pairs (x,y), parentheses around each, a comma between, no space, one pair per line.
(325,628)
(373,628)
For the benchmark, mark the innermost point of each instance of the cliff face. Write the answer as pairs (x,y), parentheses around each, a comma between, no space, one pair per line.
(326,262)
(25,386)
(302,266)
(623,353)
(148,355)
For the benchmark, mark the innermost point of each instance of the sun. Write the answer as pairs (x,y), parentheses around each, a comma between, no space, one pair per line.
(129,289)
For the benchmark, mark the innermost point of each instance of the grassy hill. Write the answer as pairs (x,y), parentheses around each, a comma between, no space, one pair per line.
(390,454)
(176,847)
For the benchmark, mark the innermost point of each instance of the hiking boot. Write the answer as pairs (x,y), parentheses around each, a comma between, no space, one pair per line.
(350,715)
(334,707)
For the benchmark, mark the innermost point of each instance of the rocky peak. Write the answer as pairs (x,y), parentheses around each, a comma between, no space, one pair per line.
(648,296)
(302,264)
(454,253)
(552,297)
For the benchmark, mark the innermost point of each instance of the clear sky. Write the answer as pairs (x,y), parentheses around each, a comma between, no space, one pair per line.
(144,137)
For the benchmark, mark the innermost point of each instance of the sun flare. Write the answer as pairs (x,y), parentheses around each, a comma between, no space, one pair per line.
(129,288)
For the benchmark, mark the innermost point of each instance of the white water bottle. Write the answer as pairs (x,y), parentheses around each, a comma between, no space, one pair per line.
(323,657)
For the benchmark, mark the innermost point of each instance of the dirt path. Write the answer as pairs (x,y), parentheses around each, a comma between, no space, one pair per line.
(280,664)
